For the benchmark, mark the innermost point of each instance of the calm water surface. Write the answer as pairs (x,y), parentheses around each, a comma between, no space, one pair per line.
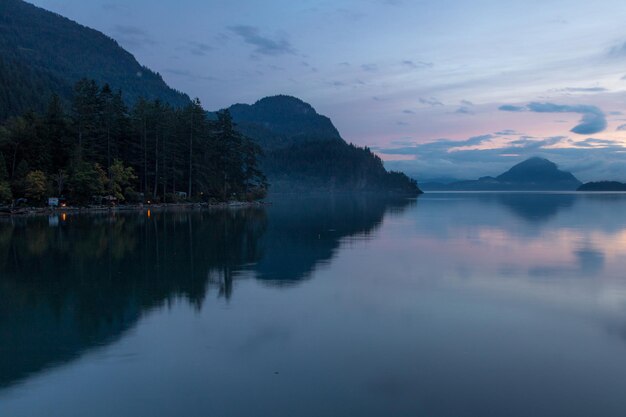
(481,305)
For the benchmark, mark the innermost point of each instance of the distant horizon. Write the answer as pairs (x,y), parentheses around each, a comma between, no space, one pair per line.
(436,88)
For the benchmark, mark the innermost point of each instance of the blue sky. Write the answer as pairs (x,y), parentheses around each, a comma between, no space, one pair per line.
(444,88)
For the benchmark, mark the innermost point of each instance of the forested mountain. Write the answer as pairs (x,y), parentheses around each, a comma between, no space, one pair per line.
(304,151)
(538,171)
(534,174)
(80,116)
(42,53)
(281,121)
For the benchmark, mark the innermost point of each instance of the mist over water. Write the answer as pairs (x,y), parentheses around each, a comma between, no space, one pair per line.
(461,304)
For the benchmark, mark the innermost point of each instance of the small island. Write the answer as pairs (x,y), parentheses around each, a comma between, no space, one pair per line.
(603,186)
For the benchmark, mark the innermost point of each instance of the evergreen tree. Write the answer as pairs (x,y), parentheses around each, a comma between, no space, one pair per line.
(86,181)
(197,125)
(103,148)
(5,189)
(56,132)
(87,108)
(19,179)
(4,174)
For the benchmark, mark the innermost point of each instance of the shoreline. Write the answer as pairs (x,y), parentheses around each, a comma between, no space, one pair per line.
(47,211)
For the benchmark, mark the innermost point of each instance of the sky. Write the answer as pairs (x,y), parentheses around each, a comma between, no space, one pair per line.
(440,89)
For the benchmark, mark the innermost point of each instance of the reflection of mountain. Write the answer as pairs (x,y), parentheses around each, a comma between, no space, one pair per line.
(302,233)
(81,283)
(536,208)
(531,207)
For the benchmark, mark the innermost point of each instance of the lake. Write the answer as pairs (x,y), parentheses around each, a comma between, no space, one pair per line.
(451,305)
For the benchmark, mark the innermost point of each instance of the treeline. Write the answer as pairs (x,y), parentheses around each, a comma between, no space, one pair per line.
(101,148)
(333,165)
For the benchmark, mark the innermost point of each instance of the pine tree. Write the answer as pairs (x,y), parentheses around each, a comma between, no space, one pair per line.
(87,109)
(56,132)
(4,173)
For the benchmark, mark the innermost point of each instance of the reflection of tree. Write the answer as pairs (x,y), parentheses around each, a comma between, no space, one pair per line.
(83,282)
(65,288)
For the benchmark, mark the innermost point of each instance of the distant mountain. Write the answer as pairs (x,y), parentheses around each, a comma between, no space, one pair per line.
(603,186)
(537,171)
(534,174)
(42,53)
(305,152)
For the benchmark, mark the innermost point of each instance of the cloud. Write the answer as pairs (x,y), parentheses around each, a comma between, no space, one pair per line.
(464,110)
(199,48)
(621,128)
(133,35)
(416,65)
(263,44)
(408,111)
(114,7)
(618,51)
(591,159)
(530,143)
(438,147)
(593,120)
(309,66)
(583,89)
(598,143)
(430,101)
(129,30)
(507,132)
(369,67)
(509,107)
(349,14)
(188,74)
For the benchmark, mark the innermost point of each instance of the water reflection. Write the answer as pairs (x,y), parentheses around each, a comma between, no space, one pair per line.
(512,305)
(304,233)
(535,243)
(68,283)
(536,208)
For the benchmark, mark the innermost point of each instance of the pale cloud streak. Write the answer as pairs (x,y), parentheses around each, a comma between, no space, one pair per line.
(593,120)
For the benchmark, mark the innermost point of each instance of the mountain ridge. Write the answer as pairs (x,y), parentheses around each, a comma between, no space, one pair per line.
(282,120)
(304,151)
(533,174)
(57,52)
